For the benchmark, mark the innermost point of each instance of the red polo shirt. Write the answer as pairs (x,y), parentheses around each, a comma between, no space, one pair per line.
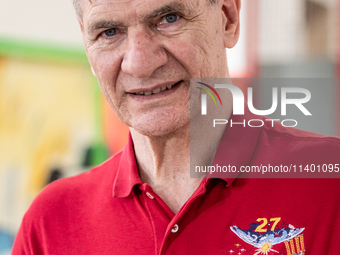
(109,210)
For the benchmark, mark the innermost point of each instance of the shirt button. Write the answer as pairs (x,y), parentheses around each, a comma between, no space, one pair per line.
(150,196)
(174,229)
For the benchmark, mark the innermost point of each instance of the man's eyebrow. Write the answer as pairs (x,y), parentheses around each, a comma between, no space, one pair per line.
(168,8)
(104,24)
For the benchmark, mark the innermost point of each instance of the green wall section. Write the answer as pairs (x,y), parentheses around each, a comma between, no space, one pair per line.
(42,52)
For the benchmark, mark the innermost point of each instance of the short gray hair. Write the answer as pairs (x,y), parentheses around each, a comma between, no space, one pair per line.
(77,4)
(79,7)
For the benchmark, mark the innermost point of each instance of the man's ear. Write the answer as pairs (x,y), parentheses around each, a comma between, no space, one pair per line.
(93,72)
(231,22)
(80,24)
(82,32)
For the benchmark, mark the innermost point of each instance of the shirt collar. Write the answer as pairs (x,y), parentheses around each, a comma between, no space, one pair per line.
(236,148)
(127,175)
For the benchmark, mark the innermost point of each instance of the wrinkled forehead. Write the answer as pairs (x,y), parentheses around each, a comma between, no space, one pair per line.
(128,4)
(137,3)
(133,11)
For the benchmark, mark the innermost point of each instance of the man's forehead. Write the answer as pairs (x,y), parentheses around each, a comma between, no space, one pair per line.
(93,3)
(137,6)
(133,10)
(136,3)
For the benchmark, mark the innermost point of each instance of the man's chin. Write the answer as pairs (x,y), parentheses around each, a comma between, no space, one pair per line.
(153,129)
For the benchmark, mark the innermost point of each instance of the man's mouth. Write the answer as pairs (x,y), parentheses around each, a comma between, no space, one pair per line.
(158,90)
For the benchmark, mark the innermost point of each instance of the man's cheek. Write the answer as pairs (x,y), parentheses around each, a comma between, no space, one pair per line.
(186,53)
(105,67)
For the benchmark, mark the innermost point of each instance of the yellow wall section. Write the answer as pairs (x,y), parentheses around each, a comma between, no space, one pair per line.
(46,120)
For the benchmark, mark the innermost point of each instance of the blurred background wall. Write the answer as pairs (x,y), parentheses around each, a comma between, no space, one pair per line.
(51,109)
(54,122)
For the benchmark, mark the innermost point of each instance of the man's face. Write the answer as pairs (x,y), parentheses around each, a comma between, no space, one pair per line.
(144,53)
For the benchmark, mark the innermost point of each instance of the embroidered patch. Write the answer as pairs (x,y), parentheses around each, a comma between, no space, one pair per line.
(264,235)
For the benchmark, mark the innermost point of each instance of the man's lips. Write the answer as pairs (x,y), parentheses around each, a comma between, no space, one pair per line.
(155,89)
(145,97)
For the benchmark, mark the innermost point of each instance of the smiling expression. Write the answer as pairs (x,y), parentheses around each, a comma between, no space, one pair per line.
(144,53)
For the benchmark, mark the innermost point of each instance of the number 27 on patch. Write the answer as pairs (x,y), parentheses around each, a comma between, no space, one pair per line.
(263,227)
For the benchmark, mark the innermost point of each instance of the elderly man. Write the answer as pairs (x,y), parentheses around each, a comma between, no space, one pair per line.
(142,200)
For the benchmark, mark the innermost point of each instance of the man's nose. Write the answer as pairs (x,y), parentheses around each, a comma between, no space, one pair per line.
(143,55)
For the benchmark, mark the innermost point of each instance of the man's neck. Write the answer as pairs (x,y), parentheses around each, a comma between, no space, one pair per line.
(164,161)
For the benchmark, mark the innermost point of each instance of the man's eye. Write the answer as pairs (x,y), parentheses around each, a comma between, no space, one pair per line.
(171,18)
(110,32)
